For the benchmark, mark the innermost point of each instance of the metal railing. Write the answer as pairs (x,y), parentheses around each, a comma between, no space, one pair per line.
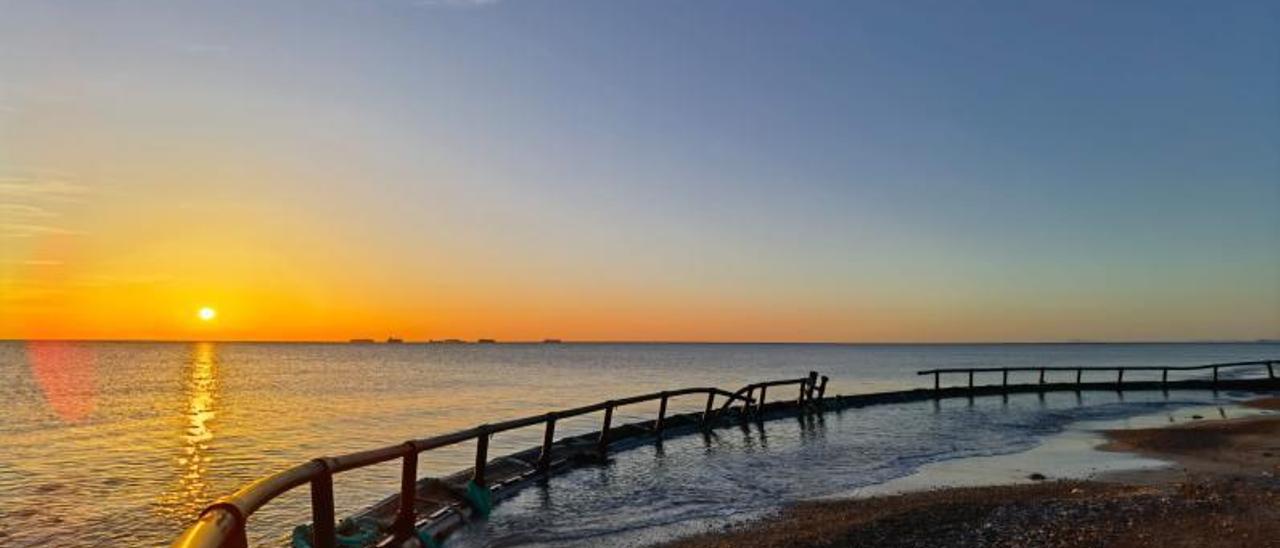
(224,523)
(1079,371)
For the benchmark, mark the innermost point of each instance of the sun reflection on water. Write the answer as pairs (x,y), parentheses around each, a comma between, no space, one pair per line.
(192,490)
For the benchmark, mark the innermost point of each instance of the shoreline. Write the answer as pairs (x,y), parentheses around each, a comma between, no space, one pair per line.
(1218,487)
(1226,448)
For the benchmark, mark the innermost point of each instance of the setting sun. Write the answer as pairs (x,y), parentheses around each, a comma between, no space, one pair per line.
(207,314)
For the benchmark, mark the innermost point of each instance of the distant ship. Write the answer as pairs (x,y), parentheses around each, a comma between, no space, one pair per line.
(361,341)
(551,341)
(485,341)
(393,340)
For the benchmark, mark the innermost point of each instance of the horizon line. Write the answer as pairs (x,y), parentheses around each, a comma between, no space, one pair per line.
(457,341)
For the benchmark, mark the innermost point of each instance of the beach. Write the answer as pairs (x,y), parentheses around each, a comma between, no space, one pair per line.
(1221,489)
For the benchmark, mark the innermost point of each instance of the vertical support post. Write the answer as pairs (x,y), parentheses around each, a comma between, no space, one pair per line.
(706,413)
(1271,372)
(1164,377)
(482,456)
(812,384)
(760,402)
(822,387)
(936,382)
(1041,375)
(239,538)
(1119,377)
(548,438)
(1215,375)
(602,445)
(408,492)
(1004,378)
(1079,374)
(662,413)
(800,399)
(970,379)
(322,526)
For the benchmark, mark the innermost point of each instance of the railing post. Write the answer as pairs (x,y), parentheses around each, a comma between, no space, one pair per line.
(1079,375)
(971,379)
(1164,377)
(1271,373)
(746,404)
(239,537)
(322,526)
(1119,377)
(936,382)
(408,492)
(760,402)
(602,445)
(662,414)
(822,387)
(482,456)
(1215,375)
(812,384)
(1041,375)
(706,413)
(548,438)
(1004,378)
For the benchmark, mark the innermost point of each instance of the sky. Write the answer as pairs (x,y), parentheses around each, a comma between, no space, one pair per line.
(691,170)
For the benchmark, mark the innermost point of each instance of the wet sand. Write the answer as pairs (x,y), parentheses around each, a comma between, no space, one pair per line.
(1221,491)
(1240,447)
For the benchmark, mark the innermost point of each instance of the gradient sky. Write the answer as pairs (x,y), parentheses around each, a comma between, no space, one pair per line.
(640,170)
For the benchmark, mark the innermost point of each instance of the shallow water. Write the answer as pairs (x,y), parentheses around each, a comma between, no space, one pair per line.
(696,483)
(96,435)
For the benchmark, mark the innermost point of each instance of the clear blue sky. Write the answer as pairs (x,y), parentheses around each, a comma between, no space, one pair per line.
(781,170)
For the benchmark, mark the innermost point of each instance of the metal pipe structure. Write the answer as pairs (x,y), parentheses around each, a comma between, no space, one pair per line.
(223,524)
(1120,371)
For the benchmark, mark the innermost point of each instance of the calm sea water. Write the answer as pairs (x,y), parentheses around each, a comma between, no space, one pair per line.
(123,443)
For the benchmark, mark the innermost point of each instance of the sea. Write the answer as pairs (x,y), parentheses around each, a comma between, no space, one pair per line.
(123,443)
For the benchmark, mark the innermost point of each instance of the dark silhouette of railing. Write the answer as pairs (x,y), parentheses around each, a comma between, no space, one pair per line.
(1079,371)
(223,523)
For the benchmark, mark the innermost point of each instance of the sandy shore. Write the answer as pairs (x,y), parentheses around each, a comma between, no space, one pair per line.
(1222,491)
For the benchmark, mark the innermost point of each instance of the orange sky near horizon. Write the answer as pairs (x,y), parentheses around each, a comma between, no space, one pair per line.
(156,292)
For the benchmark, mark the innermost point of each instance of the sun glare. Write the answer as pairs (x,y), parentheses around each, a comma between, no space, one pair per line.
(207,313)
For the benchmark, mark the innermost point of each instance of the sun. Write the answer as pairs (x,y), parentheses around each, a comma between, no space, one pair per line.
(207,314)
